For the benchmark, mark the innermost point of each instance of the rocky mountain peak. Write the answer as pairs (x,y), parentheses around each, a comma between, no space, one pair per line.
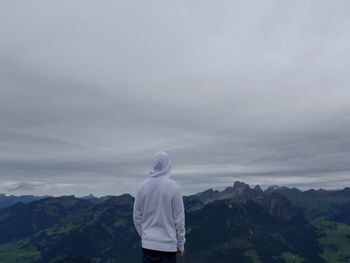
(276,188)
(258,188)
(90,196)
(240,187)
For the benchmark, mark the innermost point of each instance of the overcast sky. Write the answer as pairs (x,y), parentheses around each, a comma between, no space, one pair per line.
(256,91)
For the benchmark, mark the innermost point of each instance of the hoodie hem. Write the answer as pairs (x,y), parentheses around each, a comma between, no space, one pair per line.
(161,246)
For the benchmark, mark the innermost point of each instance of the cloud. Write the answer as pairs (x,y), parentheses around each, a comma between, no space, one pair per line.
(16,185)
(232,90)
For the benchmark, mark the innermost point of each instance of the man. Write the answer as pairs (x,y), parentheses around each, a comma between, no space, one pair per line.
(159,214)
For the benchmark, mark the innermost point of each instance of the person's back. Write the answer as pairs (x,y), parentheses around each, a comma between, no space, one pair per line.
(159,216)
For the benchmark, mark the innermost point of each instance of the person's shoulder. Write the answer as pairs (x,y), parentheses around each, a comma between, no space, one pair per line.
(175,184)
(142,183)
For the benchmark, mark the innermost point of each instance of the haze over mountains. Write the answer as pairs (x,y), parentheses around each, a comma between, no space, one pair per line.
(239,224)
(237,188)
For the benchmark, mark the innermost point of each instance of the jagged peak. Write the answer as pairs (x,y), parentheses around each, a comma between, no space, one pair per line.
(228,189)
(124,199)
(125,196)
(208,191)
(90,196)
(274,187)
(258,188)
(238,184)
(240,187)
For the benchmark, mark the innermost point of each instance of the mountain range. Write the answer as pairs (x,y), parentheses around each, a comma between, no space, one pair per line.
(239,224)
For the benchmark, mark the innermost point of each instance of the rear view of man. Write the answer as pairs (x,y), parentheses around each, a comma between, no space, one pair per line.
(159,214)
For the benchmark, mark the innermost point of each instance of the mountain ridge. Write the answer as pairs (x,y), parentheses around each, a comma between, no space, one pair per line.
(240,223)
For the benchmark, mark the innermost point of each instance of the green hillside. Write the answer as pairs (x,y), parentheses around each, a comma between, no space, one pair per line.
(334,239)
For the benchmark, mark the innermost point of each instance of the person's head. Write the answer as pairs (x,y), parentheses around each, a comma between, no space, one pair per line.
(160,164)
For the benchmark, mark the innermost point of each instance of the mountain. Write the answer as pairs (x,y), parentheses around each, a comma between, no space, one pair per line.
(238,224)
(6,201)
(90,196)
(9,200)
(65,229)
(104,232)
(317,202)
(279,189)
(239,192)
(342,214)
(249,232)
(22,220)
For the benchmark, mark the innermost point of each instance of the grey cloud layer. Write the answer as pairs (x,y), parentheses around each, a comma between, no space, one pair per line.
(232,90)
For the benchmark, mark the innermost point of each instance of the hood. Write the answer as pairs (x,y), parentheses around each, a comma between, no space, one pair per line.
(160,165)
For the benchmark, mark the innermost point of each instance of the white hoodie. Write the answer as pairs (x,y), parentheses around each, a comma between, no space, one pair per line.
(159,214)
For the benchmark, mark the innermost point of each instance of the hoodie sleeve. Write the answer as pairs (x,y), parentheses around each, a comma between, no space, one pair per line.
(179,218)
(137,214)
